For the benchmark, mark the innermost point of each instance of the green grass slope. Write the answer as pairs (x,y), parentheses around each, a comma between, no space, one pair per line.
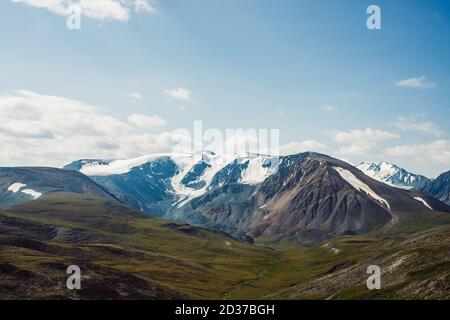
(124,254)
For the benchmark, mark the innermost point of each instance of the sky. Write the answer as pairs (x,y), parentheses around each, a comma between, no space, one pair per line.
(137,71)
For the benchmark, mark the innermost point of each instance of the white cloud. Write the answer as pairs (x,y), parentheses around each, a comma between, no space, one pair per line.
(142,121)
(49,130)
(135,96)
(361,142)
(429,159)
(119,10)
(329,108)
(179,93)
(418,83)
(436,151)
(295,147)
(420,127)
(143,6)
(361,136)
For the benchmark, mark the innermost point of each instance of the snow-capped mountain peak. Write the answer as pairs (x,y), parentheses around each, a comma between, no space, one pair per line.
(182,176)
(392,174)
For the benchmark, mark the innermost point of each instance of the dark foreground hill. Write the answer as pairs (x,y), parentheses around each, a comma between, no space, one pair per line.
(23,184)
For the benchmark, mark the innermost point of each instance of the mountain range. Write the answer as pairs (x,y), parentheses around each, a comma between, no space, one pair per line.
(306,197)
(396,176)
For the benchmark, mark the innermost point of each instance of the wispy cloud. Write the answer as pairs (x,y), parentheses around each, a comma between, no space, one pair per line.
(148,122)
(360,136)
(294,147)
(405,124)
(417,83)
(329,108)
(135,96)
(119,10)
(361,142)
(435,151)
(179,93)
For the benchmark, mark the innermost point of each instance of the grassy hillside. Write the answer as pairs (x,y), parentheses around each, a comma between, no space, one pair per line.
(161,259)
(126,255)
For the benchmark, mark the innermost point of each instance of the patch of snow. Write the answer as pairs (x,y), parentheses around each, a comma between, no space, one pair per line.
(389,174)
(15,187)
(186,162)
(32,193)
(397,263)
(336,251)
(424,202)
(259,169)
(359,185)
(118,166)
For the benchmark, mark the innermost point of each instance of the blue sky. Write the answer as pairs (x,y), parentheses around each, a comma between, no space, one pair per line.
(309,68)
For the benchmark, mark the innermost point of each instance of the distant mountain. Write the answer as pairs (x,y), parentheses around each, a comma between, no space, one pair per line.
(439,188)
(393,175)
(158,183)
(31,183)
(307,197)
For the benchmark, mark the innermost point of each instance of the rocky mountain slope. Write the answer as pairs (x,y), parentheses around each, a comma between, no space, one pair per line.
(439,188)
(159,183)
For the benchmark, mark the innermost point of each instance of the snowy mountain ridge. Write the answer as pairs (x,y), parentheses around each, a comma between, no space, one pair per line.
(184,175)
(392,174)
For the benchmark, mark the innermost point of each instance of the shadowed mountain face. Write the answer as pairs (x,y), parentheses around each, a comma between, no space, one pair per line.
(146,187)
(307,197)
(439,188)
(161,183)
(311,196)
(31,183)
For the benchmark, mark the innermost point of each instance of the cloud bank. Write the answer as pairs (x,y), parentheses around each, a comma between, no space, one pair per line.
(49,130)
